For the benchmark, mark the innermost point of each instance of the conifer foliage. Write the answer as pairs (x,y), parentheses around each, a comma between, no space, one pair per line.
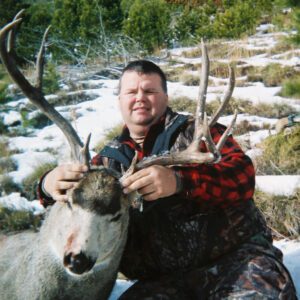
(93,27)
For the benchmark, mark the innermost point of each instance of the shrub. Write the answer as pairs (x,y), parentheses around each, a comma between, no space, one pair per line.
(274,74)
(7,185)
(281,154)
(29,184)
(51,79)
(189,79)
(6,162)
(148,23)
(183,104)
(236,20)
(3,127)
(276,110)
(35,120)
(4,97)
(18,220)
(282,213)
(244,127)
(193,23)
(291,88)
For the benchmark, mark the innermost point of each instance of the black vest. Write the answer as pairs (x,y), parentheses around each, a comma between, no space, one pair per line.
(122,154)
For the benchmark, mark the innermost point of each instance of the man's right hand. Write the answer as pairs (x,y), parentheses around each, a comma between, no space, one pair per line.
(62,178)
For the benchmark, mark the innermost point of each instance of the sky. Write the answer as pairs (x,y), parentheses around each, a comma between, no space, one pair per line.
(101,114)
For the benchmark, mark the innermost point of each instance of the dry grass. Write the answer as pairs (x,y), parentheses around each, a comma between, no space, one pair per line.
(282,213)
(111,134)
(183,104)
(281,154)
(29,184)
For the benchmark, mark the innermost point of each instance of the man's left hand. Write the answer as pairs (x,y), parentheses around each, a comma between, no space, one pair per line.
(152,183)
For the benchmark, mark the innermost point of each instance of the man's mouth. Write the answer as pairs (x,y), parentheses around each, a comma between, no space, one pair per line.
(140,109)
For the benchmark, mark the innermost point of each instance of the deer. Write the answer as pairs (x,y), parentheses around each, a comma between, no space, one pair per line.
(77,251)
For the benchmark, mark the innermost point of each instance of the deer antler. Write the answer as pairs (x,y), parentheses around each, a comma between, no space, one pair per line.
(192,154)
(35,93)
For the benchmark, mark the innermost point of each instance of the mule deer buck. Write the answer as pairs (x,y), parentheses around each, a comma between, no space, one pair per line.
(77,251)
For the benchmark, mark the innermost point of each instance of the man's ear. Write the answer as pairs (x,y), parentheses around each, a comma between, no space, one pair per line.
(167,98)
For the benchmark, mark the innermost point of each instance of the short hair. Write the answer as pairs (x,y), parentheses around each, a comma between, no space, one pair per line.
(145,67)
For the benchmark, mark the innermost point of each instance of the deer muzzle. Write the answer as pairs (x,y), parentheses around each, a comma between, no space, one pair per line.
(78,263)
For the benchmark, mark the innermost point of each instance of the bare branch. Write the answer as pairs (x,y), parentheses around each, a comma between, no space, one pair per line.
(40,61)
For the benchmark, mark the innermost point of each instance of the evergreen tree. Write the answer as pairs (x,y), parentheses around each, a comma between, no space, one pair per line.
(148,23)
(9,8)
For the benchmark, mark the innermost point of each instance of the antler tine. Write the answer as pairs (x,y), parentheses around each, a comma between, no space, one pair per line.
(84,152)
(35,94)
(226,98)
(12,33)
(227,132)
(40,61)
(201,100)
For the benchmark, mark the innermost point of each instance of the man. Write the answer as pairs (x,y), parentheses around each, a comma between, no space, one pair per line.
(200,235)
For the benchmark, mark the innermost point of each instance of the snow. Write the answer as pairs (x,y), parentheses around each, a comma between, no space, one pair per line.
(278,185)
(101,114)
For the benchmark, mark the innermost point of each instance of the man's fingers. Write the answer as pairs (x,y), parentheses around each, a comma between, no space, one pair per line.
(65,185)
(70,175)
(137,184)
(60,197)
(75,167)
(134,177)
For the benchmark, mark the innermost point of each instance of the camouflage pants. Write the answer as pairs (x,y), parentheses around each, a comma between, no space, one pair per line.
(244,274)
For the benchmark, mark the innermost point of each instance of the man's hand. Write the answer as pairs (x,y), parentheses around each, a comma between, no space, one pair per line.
(152,183)
(62,178)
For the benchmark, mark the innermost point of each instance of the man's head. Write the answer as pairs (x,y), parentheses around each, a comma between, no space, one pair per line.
(145,67)
(143,96)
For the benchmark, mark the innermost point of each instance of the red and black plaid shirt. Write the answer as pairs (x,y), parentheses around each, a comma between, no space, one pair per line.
(226,183)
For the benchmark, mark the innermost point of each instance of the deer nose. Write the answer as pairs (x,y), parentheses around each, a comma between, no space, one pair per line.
(78,263)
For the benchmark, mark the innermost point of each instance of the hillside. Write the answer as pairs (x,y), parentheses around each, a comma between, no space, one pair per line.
(87,96)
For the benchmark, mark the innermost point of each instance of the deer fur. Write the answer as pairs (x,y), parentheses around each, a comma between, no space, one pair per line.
(32,264)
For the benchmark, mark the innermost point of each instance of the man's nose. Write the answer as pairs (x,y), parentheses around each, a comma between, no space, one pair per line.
(140,96)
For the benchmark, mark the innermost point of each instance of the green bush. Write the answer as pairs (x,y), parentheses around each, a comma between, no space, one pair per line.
(4,96)
(148,23)
(18,220)
(193,23)
(6,162)
(51,79)
(29,184)
(3,127)
(7,185)
(236,20)
(291,88)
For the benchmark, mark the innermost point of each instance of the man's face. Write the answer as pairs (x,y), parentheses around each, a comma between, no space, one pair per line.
(142,99)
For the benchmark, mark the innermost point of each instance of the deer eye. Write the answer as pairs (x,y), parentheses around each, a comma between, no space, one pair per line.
(116,217)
